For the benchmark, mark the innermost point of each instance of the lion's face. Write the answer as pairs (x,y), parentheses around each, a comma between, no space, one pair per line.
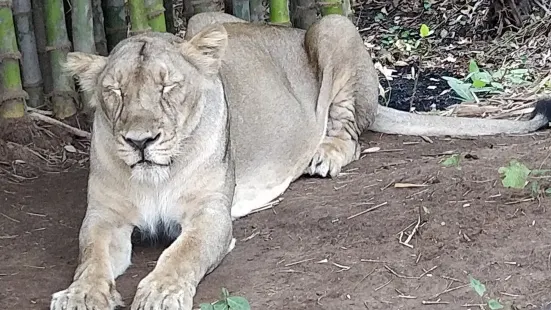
(149,92)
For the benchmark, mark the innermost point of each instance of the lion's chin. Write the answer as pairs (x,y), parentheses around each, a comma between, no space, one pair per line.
(151,174)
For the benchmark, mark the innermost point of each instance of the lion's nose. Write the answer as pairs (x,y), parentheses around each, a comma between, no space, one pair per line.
(140,142)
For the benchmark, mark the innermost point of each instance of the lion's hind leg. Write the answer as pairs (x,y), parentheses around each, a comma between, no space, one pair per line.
(349,84)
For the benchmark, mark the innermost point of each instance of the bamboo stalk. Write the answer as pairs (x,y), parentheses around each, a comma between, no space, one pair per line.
(83,32)
(83,26)
(115,22)
(40,36)
(156,15)
(12,100)
(99,30)
(169,15)
(279,13)
(331,7)
(303,13)
(30,66)
(58,45)
(138,17)
(257,11)
(241,9)
(200,6)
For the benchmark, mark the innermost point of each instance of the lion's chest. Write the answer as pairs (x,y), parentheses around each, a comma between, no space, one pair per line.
(158,209)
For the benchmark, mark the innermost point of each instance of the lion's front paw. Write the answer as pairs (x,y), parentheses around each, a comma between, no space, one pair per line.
(328,161)
(83,295)
(163,293)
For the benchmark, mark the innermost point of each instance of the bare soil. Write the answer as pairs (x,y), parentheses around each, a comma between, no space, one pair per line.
(309,252)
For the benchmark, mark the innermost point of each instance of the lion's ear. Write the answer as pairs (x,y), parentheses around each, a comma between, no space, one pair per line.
(87,67)
(207,48)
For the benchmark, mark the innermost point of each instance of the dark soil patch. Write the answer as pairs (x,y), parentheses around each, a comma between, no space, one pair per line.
(431,92)
(474,227)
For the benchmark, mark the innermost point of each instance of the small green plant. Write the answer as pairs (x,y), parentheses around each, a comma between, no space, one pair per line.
(517,175)
(482,81)
(480,289)
(227,302)
(452,161)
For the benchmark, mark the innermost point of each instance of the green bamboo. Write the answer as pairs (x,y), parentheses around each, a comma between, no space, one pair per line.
(99,30)
(138,17)
(303,13)
(12,98)
(115,22)
(58,43)
(241,9)
(155,15)
(328,7)
(83,26)
(279,13)
(40,36)
(83,32)
(30,66)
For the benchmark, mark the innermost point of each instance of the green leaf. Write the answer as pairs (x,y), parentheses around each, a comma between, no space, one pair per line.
(453,160)
(494,304)
(473,67)
(518,71)
(238,303)
(478,287)
(424,31)
(461,88)
(206,306)
(548,191)
(479,83)
(514,175)
(221,305)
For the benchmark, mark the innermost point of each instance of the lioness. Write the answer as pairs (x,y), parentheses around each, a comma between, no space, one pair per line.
(193,133)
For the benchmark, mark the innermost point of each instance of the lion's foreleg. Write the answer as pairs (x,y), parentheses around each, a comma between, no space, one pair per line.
(205,239)
(105,250)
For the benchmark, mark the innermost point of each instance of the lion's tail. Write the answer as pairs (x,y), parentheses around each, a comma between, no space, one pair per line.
(391,121)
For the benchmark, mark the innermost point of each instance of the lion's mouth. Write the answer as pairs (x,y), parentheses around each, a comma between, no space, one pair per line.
(148,163)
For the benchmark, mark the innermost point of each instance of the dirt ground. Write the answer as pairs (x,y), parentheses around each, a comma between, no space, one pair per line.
(311,252)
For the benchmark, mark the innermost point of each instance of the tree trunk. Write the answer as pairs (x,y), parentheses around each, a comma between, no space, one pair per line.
(156,15)
(279,13)
(138,17)
(12,100)
(40,36)
(304,13)
(257,11)
(115,22)
(241,9)
(58,45)
(331,7)
(32,76)
(169,15)
(99,30)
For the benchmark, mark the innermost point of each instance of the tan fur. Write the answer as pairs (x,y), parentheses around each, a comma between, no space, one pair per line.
(225,120)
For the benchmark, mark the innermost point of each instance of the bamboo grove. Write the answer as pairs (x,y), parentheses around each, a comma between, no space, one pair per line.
(36,35)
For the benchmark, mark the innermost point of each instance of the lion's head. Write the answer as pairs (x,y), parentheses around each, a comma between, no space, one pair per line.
(149,92)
